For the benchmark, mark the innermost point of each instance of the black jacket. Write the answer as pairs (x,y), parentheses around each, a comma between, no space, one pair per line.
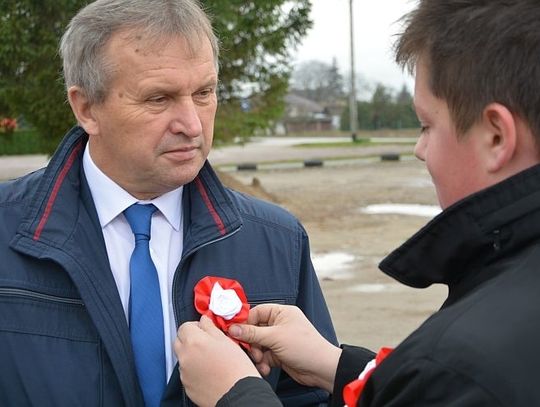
(64,338)
(481,347)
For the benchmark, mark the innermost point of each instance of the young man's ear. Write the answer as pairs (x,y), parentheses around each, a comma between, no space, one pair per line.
(82,109)
(501,136)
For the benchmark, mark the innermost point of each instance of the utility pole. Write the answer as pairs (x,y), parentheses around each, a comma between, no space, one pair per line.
(352,98)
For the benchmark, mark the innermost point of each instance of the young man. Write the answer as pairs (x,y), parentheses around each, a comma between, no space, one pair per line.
(477,96)
(80,322)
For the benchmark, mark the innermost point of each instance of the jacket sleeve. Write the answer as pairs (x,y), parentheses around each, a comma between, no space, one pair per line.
(351,362)
(425,383)
(311,301)
(248,392)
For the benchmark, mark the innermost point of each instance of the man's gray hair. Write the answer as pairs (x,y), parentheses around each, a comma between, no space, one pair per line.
(82,47)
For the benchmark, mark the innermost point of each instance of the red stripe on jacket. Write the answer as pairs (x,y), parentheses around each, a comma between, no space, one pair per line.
(56,188)
(210,206)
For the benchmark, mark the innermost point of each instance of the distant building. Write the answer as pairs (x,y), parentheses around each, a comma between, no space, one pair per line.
(304,115)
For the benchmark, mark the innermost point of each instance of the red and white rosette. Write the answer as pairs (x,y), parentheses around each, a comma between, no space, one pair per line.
(223,301)
(353,390)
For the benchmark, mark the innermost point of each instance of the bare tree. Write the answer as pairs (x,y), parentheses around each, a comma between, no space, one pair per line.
(318,81)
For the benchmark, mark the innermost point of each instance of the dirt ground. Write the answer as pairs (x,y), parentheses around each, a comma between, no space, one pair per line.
(368,308)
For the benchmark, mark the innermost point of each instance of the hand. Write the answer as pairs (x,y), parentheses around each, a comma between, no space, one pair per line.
(210,362)
(281,336)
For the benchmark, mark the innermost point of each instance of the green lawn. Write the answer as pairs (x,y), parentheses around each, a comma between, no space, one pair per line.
(20,142)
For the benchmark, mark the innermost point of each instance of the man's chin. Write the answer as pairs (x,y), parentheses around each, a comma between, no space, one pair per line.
(185,174)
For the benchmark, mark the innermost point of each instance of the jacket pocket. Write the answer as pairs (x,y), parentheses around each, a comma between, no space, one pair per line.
(50,354)
(257,301)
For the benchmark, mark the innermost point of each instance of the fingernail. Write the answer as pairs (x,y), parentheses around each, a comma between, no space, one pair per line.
(235,331)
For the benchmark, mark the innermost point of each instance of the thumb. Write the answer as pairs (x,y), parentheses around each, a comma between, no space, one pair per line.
(251,334)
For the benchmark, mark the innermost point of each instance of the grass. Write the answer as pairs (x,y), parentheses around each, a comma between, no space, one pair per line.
(25,141)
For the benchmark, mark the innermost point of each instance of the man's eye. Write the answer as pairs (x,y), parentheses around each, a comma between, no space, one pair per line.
(424,129)
(157,99)
(205,92)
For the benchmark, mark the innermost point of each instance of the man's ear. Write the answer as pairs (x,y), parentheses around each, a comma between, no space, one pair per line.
(500,136)
(82,109)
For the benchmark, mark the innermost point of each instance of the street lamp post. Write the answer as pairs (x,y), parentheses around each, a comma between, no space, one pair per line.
(352,97)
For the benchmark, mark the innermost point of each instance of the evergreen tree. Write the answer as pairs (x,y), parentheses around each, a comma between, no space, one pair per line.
(405,109)
(256,38)
(30,68)
(384,110)
(381,105)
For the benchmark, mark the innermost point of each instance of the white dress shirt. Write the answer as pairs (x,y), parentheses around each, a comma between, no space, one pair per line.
(166,241)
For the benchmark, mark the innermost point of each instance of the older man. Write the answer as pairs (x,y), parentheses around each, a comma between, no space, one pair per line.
(101,250)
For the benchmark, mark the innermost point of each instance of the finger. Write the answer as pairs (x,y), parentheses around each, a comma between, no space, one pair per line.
(269,359)
(263,369)
(208,326)
(262,314)
(177,346)
(186,333)
(256,354)
(186,329)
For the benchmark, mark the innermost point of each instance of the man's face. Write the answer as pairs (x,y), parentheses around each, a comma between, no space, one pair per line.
(455,165)
(155,128)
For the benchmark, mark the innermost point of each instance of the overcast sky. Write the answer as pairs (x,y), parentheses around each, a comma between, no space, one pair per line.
(375,24)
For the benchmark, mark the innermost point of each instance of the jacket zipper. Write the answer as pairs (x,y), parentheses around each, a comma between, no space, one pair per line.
(182,262)
(175,280)
(18,292)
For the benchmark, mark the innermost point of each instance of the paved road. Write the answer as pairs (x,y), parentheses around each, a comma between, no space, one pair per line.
(288,149)
(15,166)
(264,150)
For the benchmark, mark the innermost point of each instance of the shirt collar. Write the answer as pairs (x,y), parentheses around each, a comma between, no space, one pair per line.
(170,205)
(111,199)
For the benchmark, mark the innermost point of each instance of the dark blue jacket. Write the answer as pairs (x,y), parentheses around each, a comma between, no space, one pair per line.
(64,339)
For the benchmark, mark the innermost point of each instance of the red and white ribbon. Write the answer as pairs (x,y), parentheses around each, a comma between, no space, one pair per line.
(222,300)
(353,390)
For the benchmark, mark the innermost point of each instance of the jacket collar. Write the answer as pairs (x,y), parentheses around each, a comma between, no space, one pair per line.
(477,231)
(211,213)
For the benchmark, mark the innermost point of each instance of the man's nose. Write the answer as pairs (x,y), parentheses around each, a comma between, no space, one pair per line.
(186,119)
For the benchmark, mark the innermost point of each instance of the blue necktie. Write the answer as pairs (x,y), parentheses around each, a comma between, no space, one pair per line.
(145,312)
